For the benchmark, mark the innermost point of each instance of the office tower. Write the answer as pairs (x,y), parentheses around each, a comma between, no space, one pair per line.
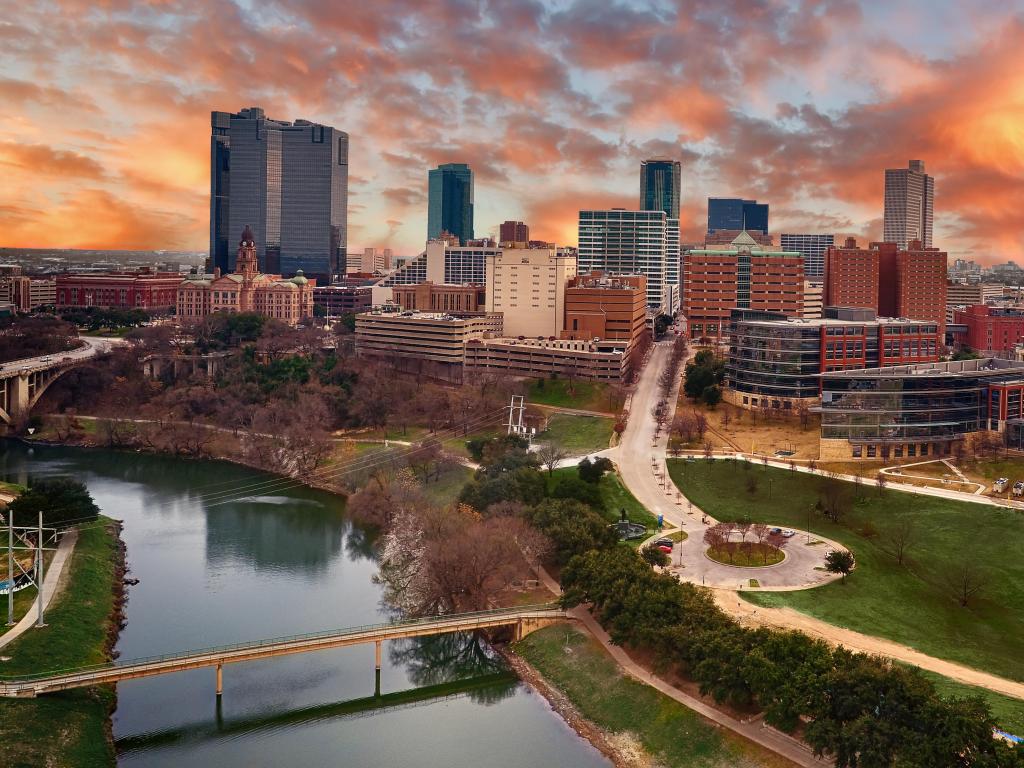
(736,213)
(659,186)
(450,201)
(514,232)
(742,275)
(909,193)
(625,242)
(892,281)
(813,248)
(288,182)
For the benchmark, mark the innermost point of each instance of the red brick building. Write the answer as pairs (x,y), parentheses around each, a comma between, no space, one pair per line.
(152,291)
(599,306)
(991,330)
(892,282)
(513,232)
(717,281)
(451,299)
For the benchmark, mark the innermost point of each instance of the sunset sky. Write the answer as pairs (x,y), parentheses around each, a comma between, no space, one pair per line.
(104,135)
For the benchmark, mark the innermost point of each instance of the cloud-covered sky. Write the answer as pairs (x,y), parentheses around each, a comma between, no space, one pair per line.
(104,135)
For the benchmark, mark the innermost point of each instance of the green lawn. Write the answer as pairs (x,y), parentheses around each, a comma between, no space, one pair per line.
(578,434)
(445,490)
(671,733)
(457,445)
(586,395)
(615,496)
(911,604)
(1008,711)
(66,729)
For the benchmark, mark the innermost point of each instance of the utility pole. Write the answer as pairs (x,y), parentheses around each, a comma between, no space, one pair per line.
(39,572)
(10,568)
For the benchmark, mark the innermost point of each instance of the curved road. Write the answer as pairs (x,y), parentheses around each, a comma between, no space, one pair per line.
(639,450)
(91,346)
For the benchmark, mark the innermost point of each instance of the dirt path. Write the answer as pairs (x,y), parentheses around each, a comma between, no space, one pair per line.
(52,584)
(788,618)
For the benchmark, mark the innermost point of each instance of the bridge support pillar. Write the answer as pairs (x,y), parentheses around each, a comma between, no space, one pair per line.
(18,397)
(519,630)
(220,680)
(378,645)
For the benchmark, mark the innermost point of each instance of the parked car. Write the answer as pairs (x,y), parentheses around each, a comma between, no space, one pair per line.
(1018,488)
(1000,484)
(775,531)
(788,533)
(664,542)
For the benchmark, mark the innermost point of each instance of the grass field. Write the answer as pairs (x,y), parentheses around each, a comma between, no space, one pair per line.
(578,434)
(586,395)
(1009,712)
(672,734)
(65,729)
(446,489)
(615,496)
(911,604)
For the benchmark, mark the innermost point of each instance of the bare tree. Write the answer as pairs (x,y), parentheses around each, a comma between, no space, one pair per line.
(550,454)
(966,581)
(803,412)
(833,497)
(709,450)
(752,483)
(726,416)
(716,537)
(700,423)
(900,537)
(880,480)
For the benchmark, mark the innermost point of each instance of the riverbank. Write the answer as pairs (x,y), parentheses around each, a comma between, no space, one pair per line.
(70,728)
(633,724)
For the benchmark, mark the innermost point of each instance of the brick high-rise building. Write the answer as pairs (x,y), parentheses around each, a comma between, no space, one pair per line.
(741,276)
(514,232)
(893,282)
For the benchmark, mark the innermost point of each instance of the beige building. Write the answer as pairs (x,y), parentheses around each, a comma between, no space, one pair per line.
(544,358)
(814,299)
(527,286)
(424,343)
(247,290)
(28,293)
(969,295)
(370,260)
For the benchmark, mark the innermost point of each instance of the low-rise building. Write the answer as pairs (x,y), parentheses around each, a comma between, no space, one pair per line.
(246,290)
(922,410)
(425,343)
(153,291)
(814,299)
(604,360)
(599,306)
(960,295)
(991,330)
(450,299)
(337,300)
(776,362)
(28,293)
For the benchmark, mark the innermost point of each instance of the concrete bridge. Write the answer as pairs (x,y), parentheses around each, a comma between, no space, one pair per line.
(22,382)
(521,621)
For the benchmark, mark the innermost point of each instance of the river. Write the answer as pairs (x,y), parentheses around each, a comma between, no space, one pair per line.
(216,570)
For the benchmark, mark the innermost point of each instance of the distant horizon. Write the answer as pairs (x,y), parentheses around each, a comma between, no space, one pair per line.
(555,120)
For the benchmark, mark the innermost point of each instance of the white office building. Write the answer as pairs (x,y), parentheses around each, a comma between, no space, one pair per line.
(812,247)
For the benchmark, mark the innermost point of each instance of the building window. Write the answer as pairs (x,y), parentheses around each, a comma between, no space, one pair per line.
(857,451)
(871,451)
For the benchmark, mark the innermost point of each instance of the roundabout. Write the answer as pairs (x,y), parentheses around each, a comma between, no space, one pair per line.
(746,555)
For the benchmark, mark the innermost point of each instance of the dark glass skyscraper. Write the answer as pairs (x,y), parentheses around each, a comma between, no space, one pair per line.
(288,182)
(450,201)
(659,186)
(736,213)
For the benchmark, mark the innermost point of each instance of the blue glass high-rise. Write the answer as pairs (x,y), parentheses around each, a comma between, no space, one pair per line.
(734,213)
(659,186)
(450,201)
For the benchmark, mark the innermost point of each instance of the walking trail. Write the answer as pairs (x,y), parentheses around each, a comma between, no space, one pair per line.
(640,443)
(51,587)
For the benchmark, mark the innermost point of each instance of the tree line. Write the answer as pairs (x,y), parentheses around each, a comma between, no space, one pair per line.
(862,711)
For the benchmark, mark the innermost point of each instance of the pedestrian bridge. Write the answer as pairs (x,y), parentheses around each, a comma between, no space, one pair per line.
(521,620)
(22,382)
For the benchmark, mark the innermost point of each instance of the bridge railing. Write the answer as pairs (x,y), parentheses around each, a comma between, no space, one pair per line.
(481,616)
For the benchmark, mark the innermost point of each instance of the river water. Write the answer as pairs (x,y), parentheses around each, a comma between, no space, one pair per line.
(215,570)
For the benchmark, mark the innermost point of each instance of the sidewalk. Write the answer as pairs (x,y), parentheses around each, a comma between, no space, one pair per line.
(51,583)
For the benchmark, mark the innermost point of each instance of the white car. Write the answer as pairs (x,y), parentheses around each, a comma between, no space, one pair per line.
(1018,488)
(788,533)
(1000,485)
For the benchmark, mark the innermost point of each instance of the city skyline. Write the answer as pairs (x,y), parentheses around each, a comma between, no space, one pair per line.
(550,127)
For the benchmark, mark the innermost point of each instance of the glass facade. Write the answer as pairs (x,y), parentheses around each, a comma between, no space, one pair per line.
(288,182)
(777,360)
(927,403)
(628,243)
(736,213)
(659,187)
(450,201)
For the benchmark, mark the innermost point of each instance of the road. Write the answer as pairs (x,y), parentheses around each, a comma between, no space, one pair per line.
(91,346)
(636,454)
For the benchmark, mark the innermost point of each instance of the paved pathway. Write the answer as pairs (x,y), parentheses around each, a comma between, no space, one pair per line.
(51,586)
(754,730)
(640,458)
